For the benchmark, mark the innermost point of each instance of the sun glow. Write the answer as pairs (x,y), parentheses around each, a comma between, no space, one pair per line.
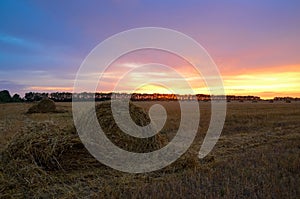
(264,84)
(153,88)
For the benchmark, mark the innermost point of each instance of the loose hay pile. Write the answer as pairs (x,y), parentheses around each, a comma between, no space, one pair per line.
(123,140)
(51,147)
(47,146)
(43,106)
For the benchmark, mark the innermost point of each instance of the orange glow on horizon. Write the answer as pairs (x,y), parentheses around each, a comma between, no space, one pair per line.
(266,83)
(263,82)
(151,88)
(51,89)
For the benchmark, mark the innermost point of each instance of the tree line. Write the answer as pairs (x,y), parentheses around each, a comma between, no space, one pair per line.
(5,97)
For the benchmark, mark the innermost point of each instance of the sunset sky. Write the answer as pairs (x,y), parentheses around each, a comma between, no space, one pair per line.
(255,44)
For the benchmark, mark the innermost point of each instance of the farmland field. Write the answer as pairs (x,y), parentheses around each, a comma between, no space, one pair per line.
(257,156)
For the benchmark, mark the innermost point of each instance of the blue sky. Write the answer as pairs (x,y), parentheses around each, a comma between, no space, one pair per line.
(42,43)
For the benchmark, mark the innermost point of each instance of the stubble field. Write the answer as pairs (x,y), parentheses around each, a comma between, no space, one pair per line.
(257,156)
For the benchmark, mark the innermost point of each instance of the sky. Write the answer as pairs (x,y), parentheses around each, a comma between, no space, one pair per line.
(255,44)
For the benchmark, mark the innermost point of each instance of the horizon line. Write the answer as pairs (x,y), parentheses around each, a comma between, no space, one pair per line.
(188,94)
(131,93)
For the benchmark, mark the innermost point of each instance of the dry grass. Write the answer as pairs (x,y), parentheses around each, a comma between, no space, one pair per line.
(257,156)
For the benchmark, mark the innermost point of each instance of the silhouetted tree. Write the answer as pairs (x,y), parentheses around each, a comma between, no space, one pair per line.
(16,98)
(29,96)
(5,96)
